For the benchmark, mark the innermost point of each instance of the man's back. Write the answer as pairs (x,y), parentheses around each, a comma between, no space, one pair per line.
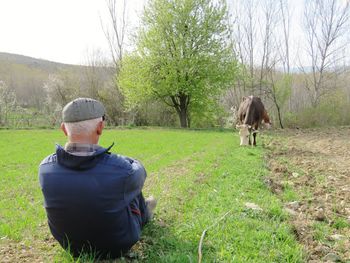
(91,201)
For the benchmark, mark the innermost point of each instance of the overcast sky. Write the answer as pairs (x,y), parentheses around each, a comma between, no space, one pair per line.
(57,30)
(68,30)
(60,30)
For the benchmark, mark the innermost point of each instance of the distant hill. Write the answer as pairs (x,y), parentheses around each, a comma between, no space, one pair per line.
(27,76)
(42,87)
(46,65)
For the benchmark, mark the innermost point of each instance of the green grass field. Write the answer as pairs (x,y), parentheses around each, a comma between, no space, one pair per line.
(197,176)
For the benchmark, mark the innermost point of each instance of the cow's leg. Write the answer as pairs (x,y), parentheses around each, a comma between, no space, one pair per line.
(254,135)
(255,131)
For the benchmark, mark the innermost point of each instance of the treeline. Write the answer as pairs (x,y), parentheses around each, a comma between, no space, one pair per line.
(296,58)
(193,61)
(33,93)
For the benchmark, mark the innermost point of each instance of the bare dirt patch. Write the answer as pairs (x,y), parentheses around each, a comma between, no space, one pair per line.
(310,171)
(11,251)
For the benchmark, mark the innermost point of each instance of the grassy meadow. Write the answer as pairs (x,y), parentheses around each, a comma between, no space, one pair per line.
(202,179)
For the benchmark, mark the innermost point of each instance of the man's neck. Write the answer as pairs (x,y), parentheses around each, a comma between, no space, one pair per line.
(81,149)
(83,139)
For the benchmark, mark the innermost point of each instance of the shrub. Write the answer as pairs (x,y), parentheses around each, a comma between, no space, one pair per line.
(333,110)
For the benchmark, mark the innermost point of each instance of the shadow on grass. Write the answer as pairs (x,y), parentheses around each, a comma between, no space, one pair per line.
(157,244)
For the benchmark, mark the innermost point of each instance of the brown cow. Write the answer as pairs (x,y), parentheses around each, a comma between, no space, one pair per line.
(251,114)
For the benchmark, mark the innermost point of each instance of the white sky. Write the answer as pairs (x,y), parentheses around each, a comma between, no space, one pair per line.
(57,30)
(60,30)
(68,30)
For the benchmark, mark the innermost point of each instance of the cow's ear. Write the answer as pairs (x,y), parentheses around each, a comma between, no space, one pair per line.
(255,131)
(238,126)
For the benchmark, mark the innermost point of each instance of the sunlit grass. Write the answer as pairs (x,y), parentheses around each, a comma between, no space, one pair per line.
(197,176)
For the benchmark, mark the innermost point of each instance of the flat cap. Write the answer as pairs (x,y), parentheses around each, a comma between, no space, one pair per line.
(82,109)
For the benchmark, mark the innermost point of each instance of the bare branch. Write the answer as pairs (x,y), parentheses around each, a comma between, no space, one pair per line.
(326,22)
(115,33)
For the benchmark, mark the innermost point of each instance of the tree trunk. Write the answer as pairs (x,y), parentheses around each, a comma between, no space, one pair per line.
(180,103)
(183,118)
(279,115)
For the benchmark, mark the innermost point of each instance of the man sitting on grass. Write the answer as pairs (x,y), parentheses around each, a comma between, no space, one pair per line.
(93,198)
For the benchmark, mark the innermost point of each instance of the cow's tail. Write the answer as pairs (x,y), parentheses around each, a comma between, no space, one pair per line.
(249,114)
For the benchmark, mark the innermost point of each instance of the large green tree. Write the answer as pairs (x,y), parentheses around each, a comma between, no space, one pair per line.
(183,56)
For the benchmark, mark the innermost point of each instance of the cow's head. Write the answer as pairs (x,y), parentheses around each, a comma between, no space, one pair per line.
(267,125)
(244,133)
(266,121)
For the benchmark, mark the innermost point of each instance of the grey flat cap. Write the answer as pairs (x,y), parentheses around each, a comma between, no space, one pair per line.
(82,109)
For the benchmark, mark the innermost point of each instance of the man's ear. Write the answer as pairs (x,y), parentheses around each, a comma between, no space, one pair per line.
(63,128)
(100,127)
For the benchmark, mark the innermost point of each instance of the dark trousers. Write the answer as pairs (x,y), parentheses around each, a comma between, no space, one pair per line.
(138,207)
